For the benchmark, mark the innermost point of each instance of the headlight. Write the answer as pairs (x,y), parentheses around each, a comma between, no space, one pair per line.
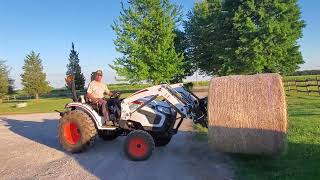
(164,109)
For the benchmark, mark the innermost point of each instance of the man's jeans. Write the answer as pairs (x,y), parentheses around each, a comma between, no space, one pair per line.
(102,105)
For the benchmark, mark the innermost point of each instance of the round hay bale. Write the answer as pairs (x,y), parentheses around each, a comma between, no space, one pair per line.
(247,114)
(21,105)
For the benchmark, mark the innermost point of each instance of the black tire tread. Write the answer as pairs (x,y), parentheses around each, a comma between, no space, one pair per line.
(149,139)
(88,134)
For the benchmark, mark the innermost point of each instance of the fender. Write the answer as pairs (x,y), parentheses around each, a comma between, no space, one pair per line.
(89,110)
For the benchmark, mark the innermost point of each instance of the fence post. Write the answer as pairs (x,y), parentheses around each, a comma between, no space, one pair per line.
(307,85)
(295,83)
(318,84)
(288,83)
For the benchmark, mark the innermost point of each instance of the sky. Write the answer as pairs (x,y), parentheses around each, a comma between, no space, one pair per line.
(49,28)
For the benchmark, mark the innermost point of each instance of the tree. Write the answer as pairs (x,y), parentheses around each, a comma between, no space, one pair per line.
(4,79)
(145,37)
(181,45)
(11,86)
(245,37)
(33,78)
(75,69)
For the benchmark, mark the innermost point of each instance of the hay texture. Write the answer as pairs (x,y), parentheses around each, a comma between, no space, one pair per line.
(247,114)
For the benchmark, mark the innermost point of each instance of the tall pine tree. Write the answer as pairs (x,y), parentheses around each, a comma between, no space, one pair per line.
(145,37)
(4,79)
(75,69)
(11,88)
(244,37)
(33,78)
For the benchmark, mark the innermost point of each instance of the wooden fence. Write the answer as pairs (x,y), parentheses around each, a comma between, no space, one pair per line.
(307,85)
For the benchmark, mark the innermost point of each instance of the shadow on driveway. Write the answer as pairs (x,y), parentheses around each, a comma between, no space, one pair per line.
(180,159)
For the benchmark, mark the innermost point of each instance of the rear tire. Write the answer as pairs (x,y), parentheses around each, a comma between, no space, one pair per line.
(76,131)
(162,141)
(138,145)
(108,135)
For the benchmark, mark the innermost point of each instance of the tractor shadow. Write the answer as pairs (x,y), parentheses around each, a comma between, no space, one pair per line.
(181,158)
(46,133)
(41,132)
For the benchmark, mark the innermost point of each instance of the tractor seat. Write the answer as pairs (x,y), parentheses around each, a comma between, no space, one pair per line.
(93,105)
(86,99)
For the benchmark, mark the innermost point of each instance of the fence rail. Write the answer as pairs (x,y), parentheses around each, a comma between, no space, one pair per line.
(307,85)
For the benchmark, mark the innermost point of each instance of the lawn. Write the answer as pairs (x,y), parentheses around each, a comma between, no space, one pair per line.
(34,106)
(302,160)
(43,105)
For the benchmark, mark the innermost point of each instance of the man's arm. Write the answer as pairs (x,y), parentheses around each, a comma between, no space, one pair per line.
(93,99)
(90,95)
(108,92)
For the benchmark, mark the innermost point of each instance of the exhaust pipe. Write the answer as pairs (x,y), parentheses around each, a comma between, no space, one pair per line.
(71,84)
(60,113)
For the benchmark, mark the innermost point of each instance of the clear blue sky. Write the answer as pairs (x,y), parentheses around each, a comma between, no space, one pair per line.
(49,27)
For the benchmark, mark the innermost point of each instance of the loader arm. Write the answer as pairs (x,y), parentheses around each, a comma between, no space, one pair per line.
(184,102)
(152,93)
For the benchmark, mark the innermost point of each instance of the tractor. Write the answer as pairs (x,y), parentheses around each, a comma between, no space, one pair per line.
(148,118)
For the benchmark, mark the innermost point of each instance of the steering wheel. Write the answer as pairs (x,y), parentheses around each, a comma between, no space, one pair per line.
(116,95)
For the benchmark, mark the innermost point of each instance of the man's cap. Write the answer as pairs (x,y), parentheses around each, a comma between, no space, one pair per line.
(99,72)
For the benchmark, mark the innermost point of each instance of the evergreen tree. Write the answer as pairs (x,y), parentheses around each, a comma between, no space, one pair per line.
(244,37)
(11,86)
(75,69)
(4,79)
(33,78)
(145,37)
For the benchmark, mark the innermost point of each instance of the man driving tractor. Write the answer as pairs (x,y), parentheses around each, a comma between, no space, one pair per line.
(96,91)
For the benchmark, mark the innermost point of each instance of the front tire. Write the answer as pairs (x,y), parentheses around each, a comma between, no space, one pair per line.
(76,131)
(139,145)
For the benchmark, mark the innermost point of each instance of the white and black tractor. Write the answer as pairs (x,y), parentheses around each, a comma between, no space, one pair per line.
(148,118)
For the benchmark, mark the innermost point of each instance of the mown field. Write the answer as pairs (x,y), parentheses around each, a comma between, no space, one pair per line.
(34,106)
(302,160)
(43,105)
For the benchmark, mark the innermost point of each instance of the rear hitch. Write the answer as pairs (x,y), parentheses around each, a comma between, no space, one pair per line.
(60,113)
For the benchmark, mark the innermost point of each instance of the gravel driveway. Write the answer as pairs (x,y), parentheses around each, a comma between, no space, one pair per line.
(29,149)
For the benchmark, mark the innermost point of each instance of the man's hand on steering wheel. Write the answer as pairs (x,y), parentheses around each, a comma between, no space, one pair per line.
(115,94)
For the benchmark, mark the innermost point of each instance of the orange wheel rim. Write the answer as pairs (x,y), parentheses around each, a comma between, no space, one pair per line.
(71,133)
(138,147)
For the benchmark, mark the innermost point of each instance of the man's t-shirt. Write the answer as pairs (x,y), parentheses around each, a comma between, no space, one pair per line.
(97,89)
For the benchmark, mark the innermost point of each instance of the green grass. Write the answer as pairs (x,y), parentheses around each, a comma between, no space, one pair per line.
(124,87)
(302,160)
(43,105)
(201,134)
(301,77)
(34,106)
(285,78)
